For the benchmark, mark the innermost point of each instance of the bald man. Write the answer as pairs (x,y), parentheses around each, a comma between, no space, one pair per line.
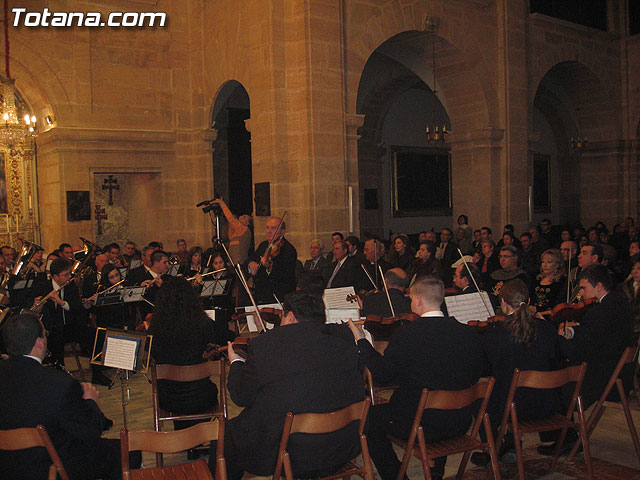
(278,275)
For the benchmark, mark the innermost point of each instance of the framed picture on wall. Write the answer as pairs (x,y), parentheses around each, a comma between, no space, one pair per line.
(78,205)
(421,181)
(541,185)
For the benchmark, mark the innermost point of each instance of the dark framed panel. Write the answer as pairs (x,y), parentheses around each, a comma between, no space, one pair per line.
(421,181)
(541,183)
(263,199)
(78,205)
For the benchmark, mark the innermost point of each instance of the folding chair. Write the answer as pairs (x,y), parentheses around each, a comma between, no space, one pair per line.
(628,356)
(172,442)
(23,438)
(317,423)
(450,400)
(187,373)
(546,380)
(373,391)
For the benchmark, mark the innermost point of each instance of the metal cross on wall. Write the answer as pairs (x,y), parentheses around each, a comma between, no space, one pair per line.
(100,214)
(111,184)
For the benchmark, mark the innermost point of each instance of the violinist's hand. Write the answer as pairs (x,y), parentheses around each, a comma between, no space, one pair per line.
(569,333)
(253,267)
(231,353)
(358,333)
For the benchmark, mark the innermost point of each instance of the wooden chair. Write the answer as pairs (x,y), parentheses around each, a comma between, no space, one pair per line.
(316,423)
(629,355)
(172,442)
(450,400)
(185,374)
(22,438)
(546,380)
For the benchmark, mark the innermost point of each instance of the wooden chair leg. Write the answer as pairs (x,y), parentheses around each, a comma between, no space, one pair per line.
(517,440)
(407,454)
(76,356)
(629,417)
(424,458)
(366,458)
(493,451)
(585,439)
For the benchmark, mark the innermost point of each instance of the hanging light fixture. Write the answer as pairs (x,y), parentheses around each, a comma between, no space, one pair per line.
(435,133)
(13,128)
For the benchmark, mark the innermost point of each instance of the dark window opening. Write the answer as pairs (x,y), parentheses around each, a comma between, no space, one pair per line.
(591,13)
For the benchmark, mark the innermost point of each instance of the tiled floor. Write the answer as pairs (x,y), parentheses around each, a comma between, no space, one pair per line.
(611,447)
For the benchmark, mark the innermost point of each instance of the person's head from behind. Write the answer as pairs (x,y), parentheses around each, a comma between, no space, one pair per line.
(426,294)
(396,278)
(24,334)
(514,302)
(302,307)
(60,271)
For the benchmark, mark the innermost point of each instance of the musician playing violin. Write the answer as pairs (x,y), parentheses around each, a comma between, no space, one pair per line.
(462,278)
(275,271)
(377,303)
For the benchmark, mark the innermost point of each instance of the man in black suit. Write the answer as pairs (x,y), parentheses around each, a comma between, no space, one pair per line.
(139,274)
(345,271)
(353,245)
(317,262)
(297,367)
(434,352)
(62,313)
(373,259)
(150,277)
(276,276)
(31,394)
(447,253)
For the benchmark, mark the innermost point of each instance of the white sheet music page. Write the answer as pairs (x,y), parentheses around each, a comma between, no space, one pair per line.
(469,306)
(251,323)
(120,353)
(337,298)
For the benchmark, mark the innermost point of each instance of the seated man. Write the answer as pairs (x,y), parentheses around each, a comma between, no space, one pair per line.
(32,394)
(509,270)
(298,367)
(317,262)
(434,352)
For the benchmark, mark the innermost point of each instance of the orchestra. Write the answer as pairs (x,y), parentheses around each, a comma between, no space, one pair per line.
(555,306)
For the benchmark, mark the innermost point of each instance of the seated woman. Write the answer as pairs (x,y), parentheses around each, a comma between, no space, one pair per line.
(222,304)
(550,287)
(521,341)
(181,332)
(402,253)
(426,263)
(194,263)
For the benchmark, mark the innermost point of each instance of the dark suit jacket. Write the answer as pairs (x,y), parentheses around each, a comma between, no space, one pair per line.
(52,315)
(31,394)
(437,353)
(350,274)
(282,279)
(371,268)
(603,334)
(294,368)
(322,264)
(378,304)
(137,275)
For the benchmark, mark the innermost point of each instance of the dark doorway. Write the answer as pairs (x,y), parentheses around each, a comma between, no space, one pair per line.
(239,147)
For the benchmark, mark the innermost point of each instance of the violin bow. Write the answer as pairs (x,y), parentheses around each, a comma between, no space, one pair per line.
(364,269)
(484,301)
(375,256)
(243,280)
(386,290)
(569,286)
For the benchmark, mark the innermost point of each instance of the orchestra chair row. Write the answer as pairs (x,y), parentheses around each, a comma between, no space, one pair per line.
(450,400)
(187,373)
(547,380)
(173,442)
(322,423)
(23,438)
(630,355)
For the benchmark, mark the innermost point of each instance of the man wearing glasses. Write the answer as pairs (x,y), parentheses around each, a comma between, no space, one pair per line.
(509,270)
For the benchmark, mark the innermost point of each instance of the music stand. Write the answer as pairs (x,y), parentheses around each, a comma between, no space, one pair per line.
(215,288)
(111,297)
(124,350)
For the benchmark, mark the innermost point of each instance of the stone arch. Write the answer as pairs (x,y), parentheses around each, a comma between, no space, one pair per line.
(230,114)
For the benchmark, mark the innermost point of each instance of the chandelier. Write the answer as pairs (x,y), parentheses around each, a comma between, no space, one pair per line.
(14,129)
(435,132)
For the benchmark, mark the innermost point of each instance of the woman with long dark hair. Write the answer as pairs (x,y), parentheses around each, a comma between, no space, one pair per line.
(521,341)
(193,264)
(181,332)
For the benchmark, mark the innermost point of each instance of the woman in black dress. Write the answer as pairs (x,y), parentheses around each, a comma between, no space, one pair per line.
(550,287)
(194,263)
(521,341)
(181,332)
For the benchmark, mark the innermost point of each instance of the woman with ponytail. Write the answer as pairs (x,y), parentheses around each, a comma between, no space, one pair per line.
(521,341)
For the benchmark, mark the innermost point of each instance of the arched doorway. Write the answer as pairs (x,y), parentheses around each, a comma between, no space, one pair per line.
(570,104)
(232,176)
(396,97)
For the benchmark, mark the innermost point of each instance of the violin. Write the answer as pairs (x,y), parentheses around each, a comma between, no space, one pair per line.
(268,314)
(565,312)
(452,291)
(240,346)
(383,327)
(482,325)
(272,252)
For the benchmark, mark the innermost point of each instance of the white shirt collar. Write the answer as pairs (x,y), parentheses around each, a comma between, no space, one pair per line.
(37,359)
(433,313)
(55,284)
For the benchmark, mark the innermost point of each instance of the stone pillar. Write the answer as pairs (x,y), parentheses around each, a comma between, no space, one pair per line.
(353,122)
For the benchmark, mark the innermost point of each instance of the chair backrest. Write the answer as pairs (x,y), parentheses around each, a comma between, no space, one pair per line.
(23,438)
(188,373)
(173,441)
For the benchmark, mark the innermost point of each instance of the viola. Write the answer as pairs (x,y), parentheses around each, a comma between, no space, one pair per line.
(565,312)
(240,346)
(268,314)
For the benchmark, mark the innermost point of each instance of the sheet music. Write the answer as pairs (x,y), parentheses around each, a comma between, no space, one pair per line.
(135,263)
(469,306)
(342,315)
(211,314)
(337,298)
(251,323)
(120,353)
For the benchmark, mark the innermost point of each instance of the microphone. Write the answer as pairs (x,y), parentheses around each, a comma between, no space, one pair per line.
(205,202)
